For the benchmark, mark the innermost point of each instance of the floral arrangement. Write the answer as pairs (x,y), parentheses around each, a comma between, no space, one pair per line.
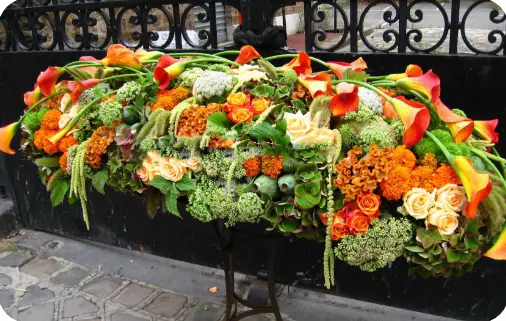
(376,167)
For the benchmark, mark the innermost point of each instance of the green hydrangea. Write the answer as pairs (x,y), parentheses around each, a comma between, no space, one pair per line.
(427,145)
(373,131)
(147,144)
(129,92)
(217,164)
(398,127)
(110,112)
(188,77)
(249,209)
(209,201)
(370,100)
(219,67)
(360,115)
(383,243)
(88,123)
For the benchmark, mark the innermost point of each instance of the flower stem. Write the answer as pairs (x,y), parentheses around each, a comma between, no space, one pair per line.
(120,77)
(496,153)
(384,83)
(490,164)
(227,52)
(321,62)
(441,146)
(42,101)
(220,60)
(376,77)
(421,98)
(131,69)
(87,64)
(58,136)
(83,62)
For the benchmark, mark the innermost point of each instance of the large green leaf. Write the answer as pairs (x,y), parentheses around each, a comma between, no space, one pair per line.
(162,184)
(59,191)
(186,184)
(171,201)
(99,179)
(265,131)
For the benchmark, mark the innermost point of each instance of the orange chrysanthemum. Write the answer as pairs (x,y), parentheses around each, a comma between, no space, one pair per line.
(97,146)
(272,165)
(395,186)
(218,142)
(41,140)
(357,177)
(429,160)
(403,157)
(193,120)
(252,166)
(64,162)
(67,142)
(168,99)
(421,177)
(51,119)
(445,175)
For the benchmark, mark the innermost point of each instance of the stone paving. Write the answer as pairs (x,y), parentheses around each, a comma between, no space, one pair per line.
(35,288)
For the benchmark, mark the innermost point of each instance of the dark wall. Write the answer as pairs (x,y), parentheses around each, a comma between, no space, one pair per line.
(474,84)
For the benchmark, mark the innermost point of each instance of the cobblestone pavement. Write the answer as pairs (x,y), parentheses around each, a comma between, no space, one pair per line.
(44,277)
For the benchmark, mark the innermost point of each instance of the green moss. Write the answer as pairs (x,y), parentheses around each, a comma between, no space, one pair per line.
(33,120)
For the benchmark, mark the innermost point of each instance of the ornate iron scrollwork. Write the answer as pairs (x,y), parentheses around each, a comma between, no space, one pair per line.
(318,15)
(417,33)
(202,17)
(388,16)
(151,19)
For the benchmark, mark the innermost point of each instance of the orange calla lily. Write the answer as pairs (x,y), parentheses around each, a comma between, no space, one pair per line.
(7,133)
(119,55)
(415,117)
(477,185)
(300,64)
(346,99)
(498,250)
(428,85)
(247,54)
(144,55)
(338,68)
(318,85)
(486,129)
(78,87)
(411,71)
(32,97)
(165,75)
(47,80)
(460,127)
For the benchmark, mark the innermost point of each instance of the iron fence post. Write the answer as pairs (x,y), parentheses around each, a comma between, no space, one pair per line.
(353,25)
(454,26)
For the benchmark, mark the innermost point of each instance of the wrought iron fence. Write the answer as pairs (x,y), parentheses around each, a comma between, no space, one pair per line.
(345,26)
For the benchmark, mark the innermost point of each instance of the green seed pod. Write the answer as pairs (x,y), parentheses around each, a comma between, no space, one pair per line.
(268,68)
(267,186)
(286,183)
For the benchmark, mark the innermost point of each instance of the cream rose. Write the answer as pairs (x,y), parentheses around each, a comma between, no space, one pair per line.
(417,203)
(172,169)
(314,136)
(193,164)
(152,169)
(445,220)
(297,124)
(154,157)
(143,174)
(452,197)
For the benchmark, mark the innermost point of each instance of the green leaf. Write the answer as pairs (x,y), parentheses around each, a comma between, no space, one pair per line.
(453,256)
(471,243)
(262,91)
(265,131)
(283,91)
(162,184)
(298,104)
(281,125)
(59,191)
(415,249)
(171,201)
(99,179)
(50,162)
(355,75)
(472,227)
(186,184)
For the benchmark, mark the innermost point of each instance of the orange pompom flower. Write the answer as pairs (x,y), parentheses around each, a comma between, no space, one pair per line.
(272,165)
(252,166)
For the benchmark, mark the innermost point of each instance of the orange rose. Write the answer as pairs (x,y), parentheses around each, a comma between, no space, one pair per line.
(369,204)
(260,105)
(240,115)
(358,222)
(236,100)
(339,231)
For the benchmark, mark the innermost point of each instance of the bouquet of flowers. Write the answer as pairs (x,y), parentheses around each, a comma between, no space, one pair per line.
(376,167)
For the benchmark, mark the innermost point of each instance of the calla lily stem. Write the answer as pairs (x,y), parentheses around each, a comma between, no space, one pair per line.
(365,85)
(81,63)
(228,52)
(42,101)
(321,62)
(441,146)
(503,166)
(491,164)
(120,76)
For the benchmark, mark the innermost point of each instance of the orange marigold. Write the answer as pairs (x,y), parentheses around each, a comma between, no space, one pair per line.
(168,99)
(356,177)
(193,120)
(445,175)
(64,162)
(41,141)
(51,119)
(403,157)
(67,142)
(421,177)
(429,160)
(397,184)
(97,146)
(272,165)
(252,166)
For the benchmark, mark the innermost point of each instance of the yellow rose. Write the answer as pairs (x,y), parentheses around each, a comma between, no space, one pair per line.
(172,169)
(193,164)
(237,99)
(445,220)
(417,203)
(452,197)
(297,124)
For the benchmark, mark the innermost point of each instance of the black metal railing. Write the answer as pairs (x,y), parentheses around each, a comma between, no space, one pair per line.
(333,25)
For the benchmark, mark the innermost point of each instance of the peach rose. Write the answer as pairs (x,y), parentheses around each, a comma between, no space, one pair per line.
(193,164)
(260,105)
(369,204)
(314,136)
(143,174)
(172,169)
(358,222)
(417,203)
(445,220)
(240,115)
(152,169)
(452,197)
(297,124)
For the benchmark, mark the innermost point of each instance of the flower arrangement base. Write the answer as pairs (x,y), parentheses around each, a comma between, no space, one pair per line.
(229,240)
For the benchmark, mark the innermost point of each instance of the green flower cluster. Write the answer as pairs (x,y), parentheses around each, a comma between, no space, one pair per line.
(217,164)
(289,77)
(383,243)
(222,68)
(375,130)
(89,94)
(370,100)
(33,120)
(249,209)
(129,91)
(87,123)
(110,112)
(209,201)
(212,86)
(188,77)
(427,145)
